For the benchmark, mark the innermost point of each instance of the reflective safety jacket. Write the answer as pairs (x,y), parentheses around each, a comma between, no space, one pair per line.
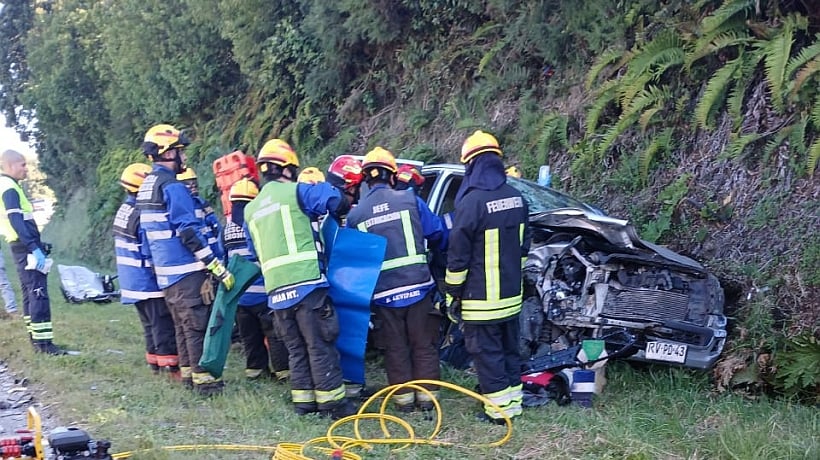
(211,228)
(488,245)
(279,223)
(174,233)
(134,270)
(405,220)
(17,215)
(235,243)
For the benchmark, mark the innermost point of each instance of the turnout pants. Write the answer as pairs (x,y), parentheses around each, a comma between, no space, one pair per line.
(159,332)
(264,350)
(494,349)
(190,314)
(36,304)
(409,335)
(309,330)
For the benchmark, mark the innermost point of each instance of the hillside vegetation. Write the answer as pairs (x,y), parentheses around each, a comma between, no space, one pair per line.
(698,120)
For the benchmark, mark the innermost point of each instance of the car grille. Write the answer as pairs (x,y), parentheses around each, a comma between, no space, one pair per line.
(646,305)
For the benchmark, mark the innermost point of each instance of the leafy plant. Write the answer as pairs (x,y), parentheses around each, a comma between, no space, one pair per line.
(669,198)
(798,367)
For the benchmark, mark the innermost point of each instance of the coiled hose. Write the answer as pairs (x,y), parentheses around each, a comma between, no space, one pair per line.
(339,447)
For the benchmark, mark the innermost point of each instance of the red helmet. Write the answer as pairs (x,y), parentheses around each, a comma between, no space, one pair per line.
(408,174)
(345,172)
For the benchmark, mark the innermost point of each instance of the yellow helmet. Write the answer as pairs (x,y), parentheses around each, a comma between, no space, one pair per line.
(278,152)
(188,174)
(133,175)
(161,138)
(379,158)
(243,190)
(479,142)
(311,175)
(513,171)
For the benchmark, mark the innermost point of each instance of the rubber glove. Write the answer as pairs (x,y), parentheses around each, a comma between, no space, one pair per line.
(222,273)
(40,257)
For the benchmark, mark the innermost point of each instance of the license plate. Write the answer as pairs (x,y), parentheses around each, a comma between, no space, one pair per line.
(663,351)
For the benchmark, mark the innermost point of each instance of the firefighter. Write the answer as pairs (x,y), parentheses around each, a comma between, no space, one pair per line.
(311,175)
(488,245)
(345,173)
(409,177)
(281,226)
(403,296)
(183,260)
(265,352)
(138,284)
(20,231)
(212,228)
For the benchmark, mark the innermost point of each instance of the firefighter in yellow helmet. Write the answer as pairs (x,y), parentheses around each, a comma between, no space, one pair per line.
(183,261)
(138,283)
(253,315)
(204,211)
(488,245)
(311,175)
(20,231)
(282,227)
(403,295)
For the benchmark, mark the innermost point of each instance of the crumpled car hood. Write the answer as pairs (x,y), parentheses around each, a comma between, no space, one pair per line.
(617,232)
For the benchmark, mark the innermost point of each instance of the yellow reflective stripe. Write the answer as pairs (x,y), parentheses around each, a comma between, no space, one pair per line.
(491,264)
(516,398)
(41,326)
(501,399)
(303,396)
(287,222)
(289,259)
(362,227)
(185,372)
(407,228)
(455,278)
(485,310)
(404,399)
(424,397)
(403,261)
(336,394)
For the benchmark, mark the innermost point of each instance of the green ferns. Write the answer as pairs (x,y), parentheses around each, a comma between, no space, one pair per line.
(736,45)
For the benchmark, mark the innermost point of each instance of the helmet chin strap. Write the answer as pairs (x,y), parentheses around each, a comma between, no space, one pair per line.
(179,168)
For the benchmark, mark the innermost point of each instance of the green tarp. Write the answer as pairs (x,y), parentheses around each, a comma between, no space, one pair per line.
(220,326)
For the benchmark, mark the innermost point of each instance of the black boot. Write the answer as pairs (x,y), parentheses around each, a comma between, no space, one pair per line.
(47,347)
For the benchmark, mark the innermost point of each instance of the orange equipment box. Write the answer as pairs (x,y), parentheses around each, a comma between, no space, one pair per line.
(230,168)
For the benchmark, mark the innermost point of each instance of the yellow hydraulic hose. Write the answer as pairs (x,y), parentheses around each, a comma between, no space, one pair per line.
(338,447)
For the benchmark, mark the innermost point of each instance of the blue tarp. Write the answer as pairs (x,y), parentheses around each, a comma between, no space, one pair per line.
(354,264)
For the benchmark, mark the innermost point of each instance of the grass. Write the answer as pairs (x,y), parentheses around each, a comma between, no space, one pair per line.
(646,413)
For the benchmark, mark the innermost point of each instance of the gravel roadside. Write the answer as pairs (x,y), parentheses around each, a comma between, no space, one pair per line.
(15,399)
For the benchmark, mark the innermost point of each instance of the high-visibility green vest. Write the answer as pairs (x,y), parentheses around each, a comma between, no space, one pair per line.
(282,237)
(8,232)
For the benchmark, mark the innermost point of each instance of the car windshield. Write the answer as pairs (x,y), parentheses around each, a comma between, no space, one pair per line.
(542,199)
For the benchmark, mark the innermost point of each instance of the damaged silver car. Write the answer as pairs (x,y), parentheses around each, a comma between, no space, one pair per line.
(591,276)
